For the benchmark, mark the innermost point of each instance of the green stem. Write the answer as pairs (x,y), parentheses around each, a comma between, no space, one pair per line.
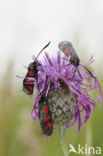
(62,138)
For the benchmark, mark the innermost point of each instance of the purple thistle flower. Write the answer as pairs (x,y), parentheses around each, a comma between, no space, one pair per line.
(67,93)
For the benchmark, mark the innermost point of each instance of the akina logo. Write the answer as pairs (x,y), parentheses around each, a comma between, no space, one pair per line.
(85,149)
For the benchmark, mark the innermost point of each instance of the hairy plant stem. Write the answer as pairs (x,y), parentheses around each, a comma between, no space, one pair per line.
(62,139)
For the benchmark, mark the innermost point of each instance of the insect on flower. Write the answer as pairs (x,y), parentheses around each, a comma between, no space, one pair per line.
(62,97)
(67,48)
(44,112)
(28,82)
(64,100)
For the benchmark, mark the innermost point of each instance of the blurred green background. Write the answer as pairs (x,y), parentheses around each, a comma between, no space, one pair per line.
(19,136)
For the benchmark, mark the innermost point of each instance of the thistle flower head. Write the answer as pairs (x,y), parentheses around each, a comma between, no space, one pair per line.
(66,92)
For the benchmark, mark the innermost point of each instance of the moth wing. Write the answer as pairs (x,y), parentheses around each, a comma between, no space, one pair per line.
(45,117)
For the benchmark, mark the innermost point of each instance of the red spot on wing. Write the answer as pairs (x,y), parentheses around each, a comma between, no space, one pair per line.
(28,88)
(71,56)
(46,109)
(68,54)
(47,126)
(67,49)
(31,73)
(29,81)
(47,118)
(62,47)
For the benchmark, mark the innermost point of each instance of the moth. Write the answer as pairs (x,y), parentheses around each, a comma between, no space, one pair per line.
(32,73)
(67,48)
(45,116)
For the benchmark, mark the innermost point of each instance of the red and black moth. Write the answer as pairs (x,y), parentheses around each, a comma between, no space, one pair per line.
(28,82)
(45,116)
(44,113)
(32,73)
(69,51)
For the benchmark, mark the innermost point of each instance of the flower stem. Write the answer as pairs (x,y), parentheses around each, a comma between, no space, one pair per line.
(62,138)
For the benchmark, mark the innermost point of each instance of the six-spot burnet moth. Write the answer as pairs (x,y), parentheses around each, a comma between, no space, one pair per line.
(67,48)
(44,112)
(32,73)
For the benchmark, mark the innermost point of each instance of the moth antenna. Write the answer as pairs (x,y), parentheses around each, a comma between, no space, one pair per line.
(43,49)
(88,71)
